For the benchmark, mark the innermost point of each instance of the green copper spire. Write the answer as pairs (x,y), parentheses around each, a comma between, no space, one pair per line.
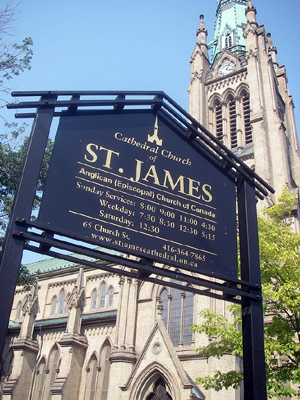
(230,23)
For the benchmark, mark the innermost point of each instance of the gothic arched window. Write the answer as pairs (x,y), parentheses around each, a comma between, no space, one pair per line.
(94,299)
(67,302)
(232,122)
(19,309)
(102,297)
(40,380)
(91,377)
(218,120)
(61,302)
(52,369)
(231,117)
(53,305)
(228,41)
(246,114)
(110,297)
(188,317)
(177,314)
(103,383)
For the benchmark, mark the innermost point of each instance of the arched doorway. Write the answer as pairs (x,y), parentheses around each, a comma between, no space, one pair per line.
(159,391)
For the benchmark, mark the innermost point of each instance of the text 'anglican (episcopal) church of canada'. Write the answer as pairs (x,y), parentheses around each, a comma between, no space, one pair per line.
(86,334)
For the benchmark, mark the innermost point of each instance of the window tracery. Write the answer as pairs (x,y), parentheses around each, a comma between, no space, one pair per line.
(218,120)
(94,298)
(19,309)
(232,122)
(110,297)
(246,114)
(103,296)
(231,119)
(40,380)
(67,303)
(51,372)
(103,384)
(53,305)
(61,302)
(178,314)
(91,379)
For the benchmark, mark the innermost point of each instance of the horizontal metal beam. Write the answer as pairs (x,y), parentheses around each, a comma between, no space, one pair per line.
(36,237)
(87,103)
(146,267)
(135,275)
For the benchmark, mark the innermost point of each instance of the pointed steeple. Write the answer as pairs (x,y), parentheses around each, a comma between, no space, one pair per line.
(201,34)
(250,12)
(230,23)
(272,51)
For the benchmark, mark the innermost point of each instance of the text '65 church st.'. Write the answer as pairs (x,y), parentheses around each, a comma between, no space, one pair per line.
(83,333)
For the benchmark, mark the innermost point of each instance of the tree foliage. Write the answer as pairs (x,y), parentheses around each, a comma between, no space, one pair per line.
(13,147)
(280,270)
(14,57)
(12,154)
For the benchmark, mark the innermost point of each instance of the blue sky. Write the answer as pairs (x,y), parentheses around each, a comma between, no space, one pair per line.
(134,44)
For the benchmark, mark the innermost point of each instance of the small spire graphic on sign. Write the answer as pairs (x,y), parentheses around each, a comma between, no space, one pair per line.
(154,137)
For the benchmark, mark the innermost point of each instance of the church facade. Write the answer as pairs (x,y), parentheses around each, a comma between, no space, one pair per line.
(241,95)
(85,334)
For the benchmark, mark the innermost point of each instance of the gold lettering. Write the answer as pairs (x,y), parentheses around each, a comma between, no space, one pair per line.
(152,173)
(95,157)
(137,171)
(193,188)
(108,156)
(91,152)
(209,196)
(173,185)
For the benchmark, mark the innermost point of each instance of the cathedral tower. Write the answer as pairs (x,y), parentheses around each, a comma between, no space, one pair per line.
(240,94)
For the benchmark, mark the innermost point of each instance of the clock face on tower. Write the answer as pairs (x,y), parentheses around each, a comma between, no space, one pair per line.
(226,67)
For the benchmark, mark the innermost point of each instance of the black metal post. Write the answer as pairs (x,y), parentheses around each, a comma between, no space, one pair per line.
(252,310)
(13,247)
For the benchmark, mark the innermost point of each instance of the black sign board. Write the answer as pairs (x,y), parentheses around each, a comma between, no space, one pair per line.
(159,186)
(131,182)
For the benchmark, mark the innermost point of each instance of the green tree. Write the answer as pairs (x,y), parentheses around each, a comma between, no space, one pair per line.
(12,154)
(13,148)
(280,270)
(14,57)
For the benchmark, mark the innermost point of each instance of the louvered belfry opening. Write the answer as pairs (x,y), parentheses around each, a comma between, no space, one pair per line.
(246,111)
(219,121)
(232,123)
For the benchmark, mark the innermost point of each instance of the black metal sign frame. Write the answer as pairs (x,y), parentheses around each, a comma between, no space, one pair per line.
(246,290)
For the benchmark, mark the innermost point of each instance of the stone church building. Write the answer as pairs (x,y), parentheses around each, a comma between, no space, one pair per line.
(85,334)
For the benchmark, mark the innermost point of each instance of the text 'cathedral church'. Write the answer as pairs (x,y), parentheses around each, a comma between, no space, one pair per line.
(86,334)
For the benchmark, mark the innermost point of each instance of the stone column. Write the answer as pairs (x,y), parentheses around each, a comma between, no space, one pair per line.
(73,346)
(25,351)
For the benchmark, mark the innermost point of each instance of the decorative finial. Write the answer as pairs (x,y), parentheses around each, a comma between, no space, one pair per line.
(250,12)
(271,49)
(270,43)
(202,21)
(201,32)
